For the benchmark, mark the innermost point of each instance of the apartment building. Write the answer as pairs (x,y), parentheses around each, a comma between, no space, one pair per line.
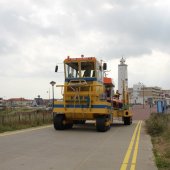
(141,94)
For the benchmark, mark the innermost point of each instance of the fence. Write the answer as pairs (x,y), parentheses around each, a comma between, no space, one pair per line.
(27,118)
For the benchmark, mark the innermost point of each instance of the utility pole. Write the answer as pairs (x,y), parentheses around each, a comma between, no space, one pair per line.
(52,84)
(143,98)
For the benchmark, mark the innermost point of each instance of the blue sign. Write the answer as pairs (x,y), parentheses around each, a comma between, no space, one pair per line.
(161,106)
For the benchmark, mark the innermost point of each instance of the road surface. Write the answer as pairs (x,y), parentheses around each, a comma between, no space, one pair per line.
(141,112)
(81,148)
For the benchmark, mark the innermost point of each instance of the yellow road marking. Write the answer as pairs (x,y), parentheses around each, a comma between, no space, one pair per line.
(22,131)
(135,153)
(129,150)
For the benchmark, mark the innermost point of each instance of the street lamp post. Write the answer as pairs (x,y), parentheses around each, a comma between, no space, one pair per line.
(143,94)
(143,98)
(52,84)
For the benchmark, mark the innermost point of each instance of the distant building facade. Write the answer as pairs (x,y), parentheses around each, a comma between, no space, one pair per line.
(167,96)
(38,102)
(2,103)
(18,102)
(141,94)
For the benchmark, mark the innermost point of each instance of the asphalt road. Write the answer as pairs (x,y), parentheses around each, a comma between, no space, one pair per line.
(141,112)
(81,148)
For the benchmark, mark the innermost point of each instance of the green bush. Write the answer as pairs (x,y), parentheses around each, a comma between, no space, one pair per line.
(161,160)
(157,124)
(167,153)
(162,163)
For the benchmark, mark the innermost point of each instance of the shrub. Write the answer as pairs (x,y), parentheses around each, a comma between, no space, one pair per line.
(156,124)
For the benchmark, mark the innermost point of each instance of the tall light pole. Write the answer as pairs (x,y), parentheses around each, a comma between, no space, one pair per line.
(143,98)
(52,84)
(143,94)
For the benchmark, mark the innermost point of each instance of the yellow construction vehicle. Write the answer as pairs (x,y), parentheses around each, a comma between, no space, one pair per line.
(88,95)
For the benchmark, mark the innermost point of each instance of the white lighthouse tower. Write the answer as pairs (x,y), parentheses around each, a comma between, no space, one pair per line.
(122,77)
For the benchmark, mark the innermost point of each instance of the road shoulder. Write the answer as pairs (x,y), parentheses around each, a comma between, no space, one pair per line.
(145,154)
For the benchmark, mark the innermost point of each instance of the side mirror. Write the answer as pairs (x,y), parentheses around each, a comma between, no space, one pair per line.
(104,66)
(56,68)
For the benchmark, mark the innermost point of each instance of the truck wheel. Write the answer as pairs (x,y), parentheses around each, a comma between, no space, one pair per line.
(58,122)
(100,124)
(127,120)
(69,126)
(131,120)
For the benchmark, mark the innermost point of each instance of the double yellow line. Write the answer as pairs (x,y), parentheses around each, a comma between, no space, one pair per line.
(136,135)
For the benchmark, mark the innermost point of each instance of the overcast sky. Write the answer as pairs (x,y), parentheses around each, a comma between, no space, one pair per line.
(35,35)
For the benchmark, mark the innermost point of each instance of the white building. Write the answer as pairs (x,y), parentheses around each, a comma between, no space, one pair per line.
(167,96)
(141,94)
(122,77)
(137,97)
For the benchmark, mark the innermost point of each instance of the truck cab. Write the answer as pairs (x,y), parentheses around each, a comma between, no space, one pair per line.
(88,69)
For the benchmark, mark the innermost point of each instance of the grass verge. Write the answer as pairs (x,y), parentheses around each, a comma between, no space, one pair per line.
(158,126)
(7,128)
(11,122)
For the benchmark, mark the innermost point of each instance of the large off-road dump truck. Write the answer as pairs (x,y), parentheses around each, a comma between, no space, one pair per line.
(88,95)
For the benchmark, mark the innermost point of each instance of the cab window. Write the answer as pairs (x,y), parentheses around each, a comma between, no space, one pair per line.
(87,69)
(71,70)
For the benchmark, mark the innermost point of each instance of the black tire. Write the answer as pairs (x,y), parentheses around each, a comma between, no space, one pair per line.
(100,124)
(69,126)
(130,120)
(127,120)
(58,122)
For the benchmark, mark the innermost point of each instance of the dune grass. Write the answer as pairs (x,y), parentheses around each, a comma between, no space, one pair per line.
(158,126)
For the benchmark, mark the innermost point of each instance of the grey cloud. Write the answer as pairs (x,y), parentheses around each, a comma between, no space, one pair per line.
(5,47)
(36,34)
(144,27)
(130,26)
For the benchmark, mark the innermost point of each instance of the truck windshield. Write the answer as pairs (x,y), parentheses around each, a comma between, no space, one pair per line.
(87,69)
(72,70)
